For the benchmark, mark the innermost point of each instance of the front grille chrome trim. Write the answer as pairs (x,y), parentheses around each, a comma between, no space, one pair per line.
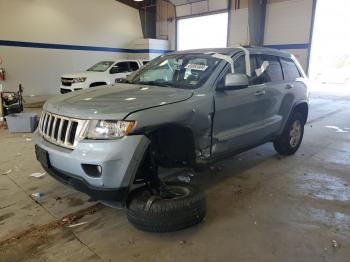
(47,129)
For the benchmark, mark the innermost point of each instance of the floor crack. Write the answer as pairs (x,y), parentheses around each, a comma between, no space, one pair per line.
(89,248)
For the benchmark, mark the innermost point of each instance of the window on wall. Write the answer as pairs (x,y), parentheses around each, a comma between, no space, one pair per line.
(208,31)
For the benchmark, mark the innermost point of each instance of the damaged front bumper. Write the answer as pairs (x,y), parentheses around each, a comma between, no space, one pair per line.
(103,169)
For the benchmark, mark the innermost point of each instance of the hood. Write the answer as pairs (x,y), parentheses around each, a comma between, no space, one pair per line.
(81,74)
(114,101)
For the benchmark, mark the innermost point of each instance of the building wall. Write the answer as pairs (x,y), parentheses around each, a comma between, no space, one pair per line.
(91,23)
(166,22)
(201,7)
(287,26)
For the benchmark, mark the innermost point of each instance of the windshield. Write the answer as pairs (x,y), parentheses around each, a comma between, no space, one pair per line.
(188,71)
(101,66)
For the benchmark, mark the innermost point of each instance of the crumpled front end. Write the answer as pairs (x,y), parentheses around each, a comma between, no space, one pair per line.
(103,169)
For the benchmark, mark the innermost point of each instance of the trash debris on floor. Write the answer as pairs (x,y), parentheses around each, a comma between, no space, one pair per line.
(28,139)
(37,195)
(337,129)
(335,244)
(6,172)
(37,175)
(77,224)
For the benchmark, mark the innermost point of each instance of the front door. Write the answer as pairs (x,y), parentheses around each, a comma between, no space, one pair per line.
(239,114)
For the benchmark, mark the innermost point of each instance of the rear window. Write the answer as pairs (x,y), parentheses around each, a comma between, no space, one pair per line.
(273,72)
(290,70)
(134,66)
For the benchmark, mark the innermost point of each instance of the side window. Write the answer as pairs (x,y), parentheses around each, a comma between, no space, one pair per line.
(121,67)
(290,70)
(240,68)
(134,66)
(240,65)
(273,71)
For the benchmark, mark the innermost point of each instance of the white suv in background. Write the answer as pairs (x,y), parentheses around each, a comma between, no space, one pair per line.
(102,73)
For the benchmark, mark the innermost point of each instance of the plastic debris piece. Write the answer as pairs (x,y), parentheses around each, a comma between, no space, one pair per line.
(335,244)
(28,139)
(37,195)
(37,175)
(185,179)
(6,172)
(77,224)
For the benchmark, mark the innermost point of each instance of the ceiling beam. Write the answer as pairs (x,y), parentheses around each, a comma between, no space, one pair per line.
(131,3)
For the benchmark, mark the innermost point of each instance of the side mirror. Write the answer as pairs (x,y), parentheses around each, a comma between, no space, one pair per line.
(234,82)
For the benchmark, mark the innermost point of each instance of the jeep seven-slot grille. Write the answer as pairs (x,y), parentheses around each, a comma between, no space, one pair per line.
(59,130)
(66,81)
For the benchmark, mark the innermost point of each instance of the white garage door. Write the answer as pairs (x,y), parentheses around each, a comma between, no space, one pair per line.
(202,32)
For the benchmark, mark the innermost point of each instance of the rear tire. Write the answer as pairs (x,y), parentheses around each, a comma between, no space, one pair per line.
(154,214)
(290,140)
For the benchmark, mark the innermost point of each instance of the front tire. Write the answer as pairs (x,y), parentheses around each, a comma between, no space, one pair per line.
(152,213)
(290,140)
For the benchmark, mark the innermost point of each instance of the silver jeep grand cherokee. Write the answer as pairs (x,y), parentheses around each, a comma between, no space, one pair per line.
(184,109)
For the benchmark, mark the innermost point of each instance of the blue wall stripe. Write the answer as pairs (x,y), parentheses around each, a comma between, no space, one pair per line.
(80,47)
(289,46)
(120,50)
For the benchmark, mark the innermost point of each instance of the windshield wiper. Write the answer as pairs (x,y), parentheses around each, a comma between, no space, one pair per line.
(153,83)
(124,81)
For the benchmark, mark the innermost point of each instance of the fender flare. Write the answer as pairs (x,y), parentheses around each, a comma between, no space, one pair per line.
(297,103)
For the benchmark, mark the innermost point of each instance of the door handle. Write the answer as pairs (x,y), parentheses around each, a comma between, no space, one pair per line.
(289,86)
(260,93)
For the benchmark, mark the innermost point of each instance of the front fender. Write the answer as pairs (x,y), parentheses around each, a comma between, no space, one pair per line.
(194,114)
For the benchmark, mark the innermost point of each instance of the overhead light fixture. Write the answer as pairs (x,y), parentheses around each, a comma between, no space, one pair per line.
(138,0)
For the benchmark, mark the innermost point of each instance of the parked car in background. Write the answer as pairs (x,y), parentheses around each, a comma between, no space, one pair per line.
(185,109)
(102,73)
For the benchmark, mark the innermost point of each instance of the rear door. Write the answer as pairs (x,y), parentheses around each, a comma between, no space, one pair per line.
(294,85)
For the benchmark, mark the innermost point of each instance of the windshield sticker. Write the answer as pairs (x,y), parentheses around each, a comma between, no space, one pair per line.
(196,67)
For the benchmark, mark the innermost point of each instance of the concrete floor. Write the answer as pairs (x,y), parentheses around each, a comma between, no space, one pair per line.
(261,207)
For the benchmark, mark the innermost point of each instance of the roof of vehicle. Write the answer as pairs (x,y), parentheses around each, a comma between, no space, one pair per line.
(123,60)
(232,50)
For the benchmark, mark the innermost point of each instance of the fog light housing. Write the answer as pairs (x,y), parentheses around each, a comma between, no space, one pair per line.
(92,170)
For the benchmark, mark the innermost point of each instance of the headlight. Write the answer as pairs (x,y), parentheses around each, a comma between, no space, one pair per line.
(108,129)
(79,79)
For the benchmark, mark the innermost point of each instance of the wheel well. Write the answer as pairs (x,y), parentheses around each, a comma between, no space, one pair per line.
(98,84)
(302,108)
(174,146)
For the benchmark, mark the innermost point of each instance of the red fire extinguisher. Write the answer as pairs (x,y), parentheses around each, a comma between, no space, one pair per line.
(2,72)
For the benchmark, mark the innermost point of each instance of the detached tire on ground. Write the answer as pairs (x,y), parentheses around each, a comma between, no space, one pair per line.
(154,214)
(290,140)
